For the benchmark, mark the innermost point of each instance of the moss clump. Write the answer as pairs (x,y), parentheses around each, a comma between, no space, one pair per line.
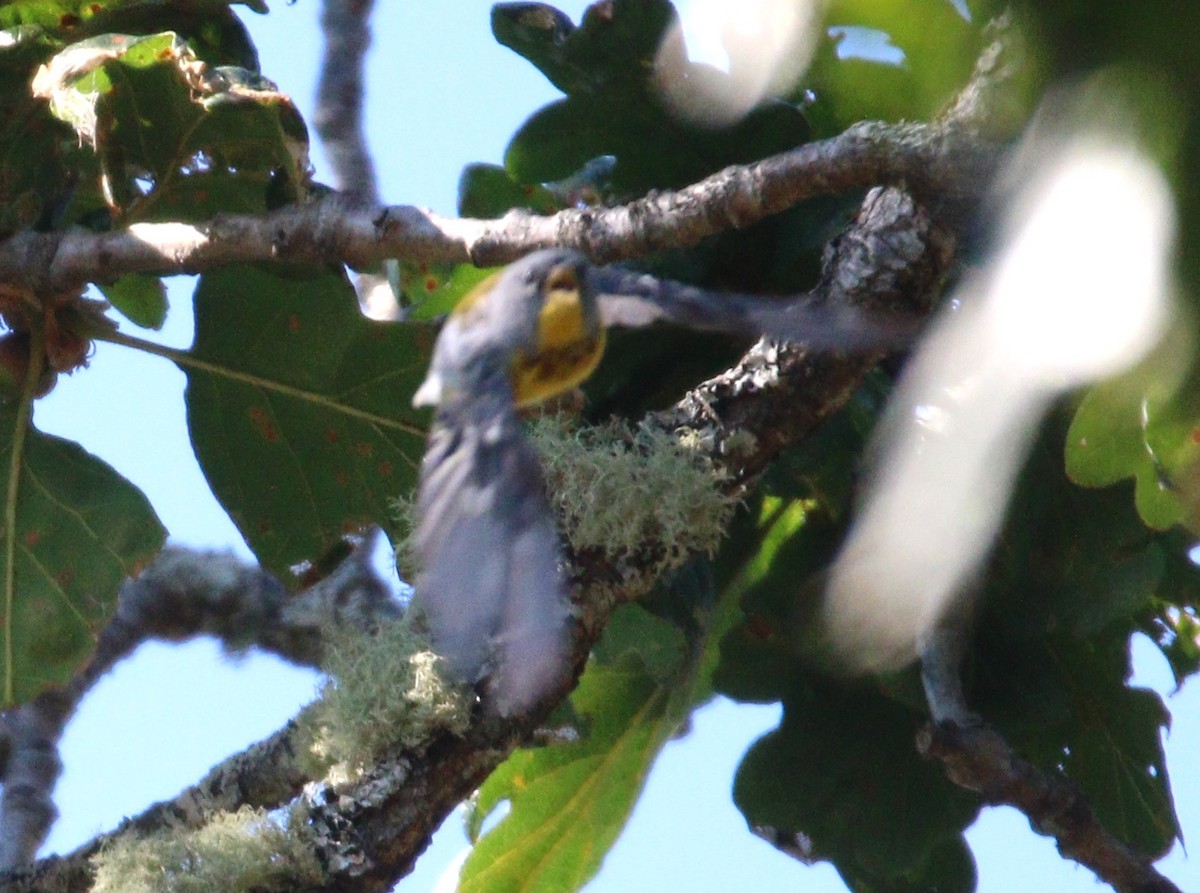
(622,489)
(236,852)
(385,689)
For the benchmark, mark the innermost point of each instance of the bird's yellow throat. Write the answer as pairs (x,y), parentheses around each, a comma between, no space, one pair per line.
(567,353)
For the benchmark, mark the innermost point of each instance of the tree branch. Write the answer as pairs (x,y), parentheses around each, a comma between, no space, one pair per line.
(338,116)
(933,162)
(978,758)
(182,594)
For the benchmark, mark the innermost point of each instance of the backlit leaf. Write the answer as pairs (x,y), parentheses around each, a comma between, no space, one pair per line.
(80,530)
(570,801)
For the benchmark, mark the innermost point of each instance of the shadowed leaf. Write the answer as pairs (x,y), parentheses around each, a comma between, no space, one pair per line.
(300,408)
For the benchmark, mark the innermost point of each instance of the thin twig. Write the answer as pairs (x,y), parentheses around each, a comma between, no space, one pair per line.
(338,116)
(978,758)
(182,594)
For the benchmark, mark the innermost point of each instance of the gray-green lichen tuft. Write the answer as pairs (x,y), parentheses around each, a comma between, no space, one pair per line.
(237,852)
(404,511)
(385,689)
(622,489)
(618,489)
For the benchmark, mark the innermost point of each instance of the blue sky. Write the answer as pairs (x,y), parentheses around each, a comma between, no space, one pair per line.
(441,93)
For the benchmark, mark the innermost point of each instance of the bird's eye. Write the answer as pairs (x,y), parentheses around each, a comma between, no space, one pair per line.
(562,278)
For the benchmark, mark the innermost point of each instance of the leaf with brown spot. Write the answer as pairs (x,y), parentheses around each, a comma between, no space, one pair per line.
(78,530)
(300,408)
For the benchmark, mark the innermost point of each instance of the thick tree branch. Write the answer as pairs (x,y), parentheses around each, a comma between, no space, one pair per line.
(934,162)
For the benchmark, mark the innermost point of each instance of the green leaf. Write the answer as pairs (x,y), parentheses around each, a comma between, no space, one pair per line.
(429,291)
(938,45)
(760,658)
(807,777)
(86,17)
(157,117)
(1116,756)
(569,802)
(558,139)
(848,90)
(1141,426)
(780,547)
(44,162)
(658,645)
(300,408)
(487,191)
(53,179)
(140,299)
(1181,643)
(1065,704)
(80,529)
(1079,562)
(615,42)
(1075,574)
(607,67)
(842,770)
(950,866)
(1070,559)
(1174,624)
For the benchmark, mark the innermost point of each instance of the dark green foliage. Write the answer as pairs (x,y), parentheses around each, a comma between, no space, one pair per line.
(140,299)
(936,46)
(78,146)
(841,769)
(300,408)
(606,67)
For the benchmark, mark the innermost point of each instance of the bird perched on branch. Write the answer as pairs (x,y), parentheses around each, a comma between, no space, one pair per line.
(490,588)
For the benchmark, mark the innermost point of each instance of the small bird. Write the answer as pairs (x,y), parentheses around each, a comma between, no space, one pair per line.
(490,587)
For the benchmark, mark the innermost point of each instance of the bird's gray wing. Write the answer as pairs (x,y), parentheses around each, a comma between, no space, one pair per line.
(629,299)
(489,586)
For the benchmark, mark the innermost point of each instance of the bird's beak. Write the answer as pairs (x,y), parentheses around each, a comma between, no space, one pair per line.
(430,391)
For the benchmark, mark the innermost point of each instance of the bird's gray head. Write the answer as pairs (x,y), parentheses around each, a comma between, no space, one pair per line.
(540,303)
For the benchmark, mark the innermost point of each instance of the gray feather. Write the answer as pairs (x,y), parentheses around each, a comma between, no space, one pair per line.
(490,588)
(633,300)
